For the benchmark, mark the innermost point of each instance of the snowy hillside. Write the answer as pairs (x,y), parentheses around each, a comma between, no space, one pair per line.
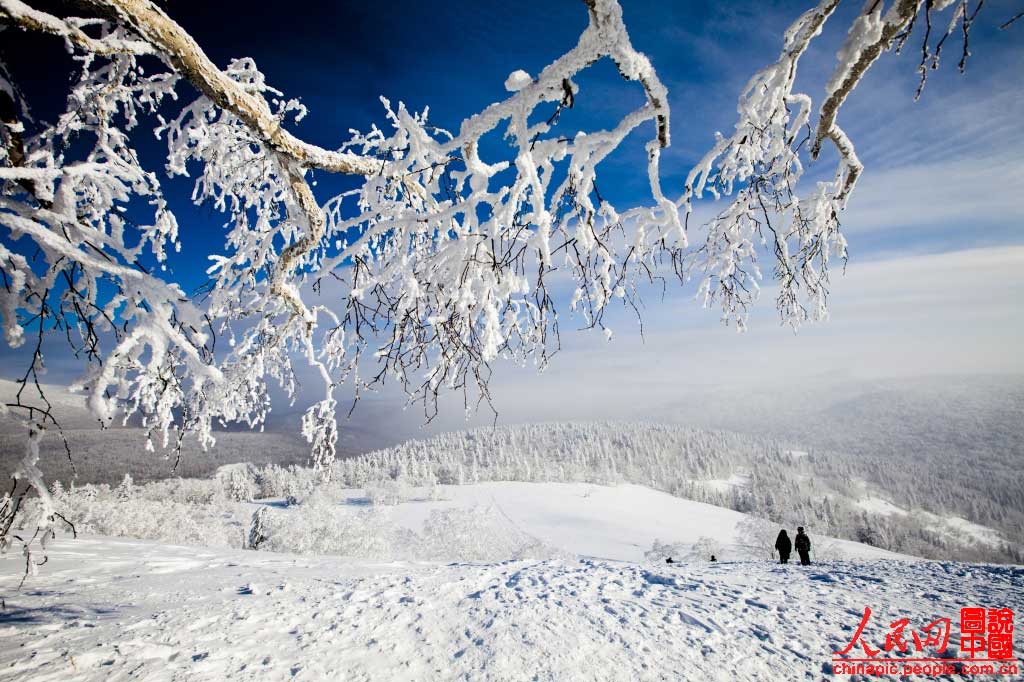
(617,523)
(932,510)
(489,580)
(109,609)
(831,492)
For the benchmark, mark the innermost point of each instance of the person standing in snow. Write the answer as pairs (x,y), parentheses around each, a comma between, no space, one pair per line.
(784,546)
(803,547)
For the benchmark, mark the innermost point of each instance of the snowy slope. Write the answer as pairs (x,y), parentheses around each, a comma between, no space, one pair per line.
(117,609)
(739,480)
(954,528)
(604,522)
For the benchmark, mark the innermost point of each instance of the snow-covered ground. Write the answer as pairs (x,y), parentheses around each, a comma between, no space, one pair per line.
(617,523)
(108,609)
(876,505)
(955,526)
(738,480)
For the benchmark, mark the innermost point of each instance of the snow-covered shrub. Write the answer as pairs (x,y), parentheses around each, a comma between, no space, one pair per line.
(183,490)
(660,551)
(704,549)
(477,534)
(126,490)
(294,482)
(388,492)
(319,527)
(320,496)
(435,492)
(238,481)
(757,537)
(99,512)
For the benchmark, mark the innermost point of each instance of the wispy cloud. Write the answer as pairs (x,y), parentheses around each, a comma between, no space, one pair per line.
(961,194)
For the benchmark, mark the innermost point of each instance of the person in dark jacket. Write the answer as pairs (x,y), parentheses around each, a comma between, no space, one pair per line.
(803,547)
(784,546)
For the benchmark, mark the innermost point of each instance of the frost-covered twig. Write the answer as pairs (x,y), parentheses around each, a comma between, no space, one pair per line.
(761,163)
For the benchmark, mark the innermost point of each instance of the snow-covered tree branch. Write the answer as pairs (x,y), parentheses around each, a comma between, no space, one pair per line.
(438,263)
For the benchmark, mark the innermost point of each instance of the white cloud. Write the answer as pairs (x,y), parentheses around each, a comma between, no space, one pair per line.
(956,312)
(963,194)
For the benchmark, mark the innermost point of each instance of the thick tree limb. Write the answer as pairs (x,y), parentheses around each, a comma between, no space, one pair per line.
(188,58)
(895,20)
(31,19)
(153,25)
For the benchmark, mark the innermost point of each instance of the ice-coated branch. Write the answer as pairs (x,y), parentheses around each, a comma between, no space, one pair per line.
(164,35)
(762,162)
(449,292)
(453,268)
(72,31)
(871,33)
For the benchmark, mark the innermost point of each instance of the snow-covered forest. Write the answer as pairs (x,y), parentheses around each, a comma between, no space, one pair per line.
(881,465)
(829,492)
(834,495)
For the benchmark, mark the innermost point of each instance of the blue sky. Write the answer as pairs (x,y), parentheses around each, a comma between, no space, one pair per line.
(936,226)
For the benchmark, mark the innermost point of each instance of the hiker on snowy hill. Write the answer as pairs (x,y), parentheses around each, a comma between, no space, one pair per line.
(803,547)
(784,546)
